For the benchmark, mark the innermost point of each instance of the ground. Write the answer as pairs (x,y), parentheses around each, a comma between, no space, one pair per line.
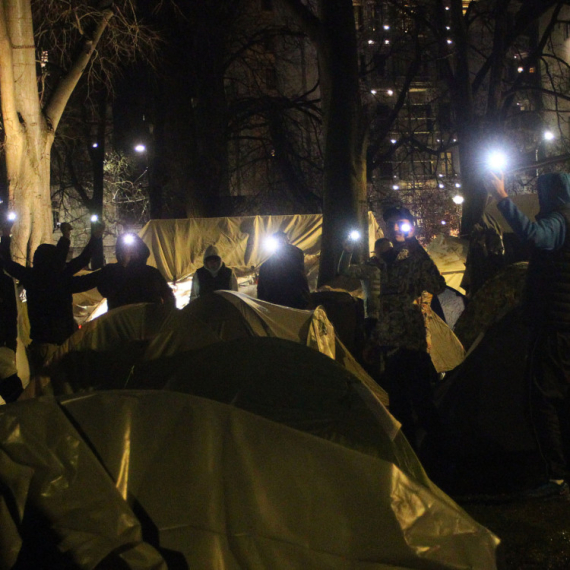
(535,535)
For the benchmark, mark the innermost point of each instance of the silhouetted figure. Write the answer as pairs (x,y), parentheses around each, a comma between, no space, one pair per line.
(49,286)
(547,308)
(282,279)
(131,280)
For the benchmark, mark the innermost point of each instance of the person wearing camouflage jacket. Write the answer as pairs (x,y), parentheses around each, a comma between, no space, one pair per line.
(398,345)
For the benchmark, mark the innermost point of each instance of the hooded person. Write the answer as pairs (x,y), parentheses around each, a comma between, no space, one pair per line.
(49,286)
(547,309)
(213,276)
(131,280)
(282,278)
(397,349)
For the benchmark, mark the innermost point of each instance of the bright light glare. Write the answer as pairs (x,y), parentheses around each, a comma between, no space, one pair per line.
(371,42)
(140,148)
(497,160)
(548,136)
(390,92)
(395,187)
(458,199)
(94,218)
(458,184)
(405,227)
(94,145)
(271,244)
(11,216)
(373,91)
(443,222)
(441,185)
(129,239)
(354,235)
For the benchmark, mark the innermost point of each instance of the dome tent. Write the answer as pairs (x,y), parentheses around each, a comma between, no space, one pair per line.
(150,480)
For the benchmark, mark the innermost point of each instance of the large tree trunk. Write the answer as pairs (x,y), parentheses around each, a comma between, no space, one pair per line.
(344,192)
(333,32)
(29,132)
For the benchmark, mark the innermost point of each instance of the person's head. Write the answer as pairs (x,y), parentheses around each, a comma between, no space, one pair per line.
(212,259)
(381,246)
(553,191)
(281,238)
(46,258)
(399,224)
(131,250)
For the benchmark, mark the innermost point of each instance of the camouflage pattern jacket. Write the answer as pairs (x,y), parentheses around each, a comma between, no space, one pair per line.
(409,272)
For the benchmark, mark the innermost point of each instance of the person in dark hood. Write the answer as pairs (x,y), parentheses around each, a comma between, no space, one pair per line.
(213,276)
(282,279)
(49,286)
(131,280)
(547,308)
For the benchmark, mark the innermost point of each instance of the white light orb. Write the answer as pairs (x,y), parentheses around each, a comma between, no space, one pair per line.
(458,199)
(497,160)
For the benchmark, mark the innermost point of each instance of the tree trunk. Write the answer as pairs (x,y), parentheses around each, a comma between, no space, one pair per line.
(29,132)
(344,192)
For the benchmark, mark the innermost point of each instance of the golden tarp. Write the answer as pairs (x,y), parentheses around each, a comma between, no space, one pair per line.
(177,246)
(213,487)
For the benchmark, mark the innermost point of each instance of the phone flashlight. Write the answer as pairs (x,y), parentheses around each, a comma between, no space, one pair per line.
(354,235)
(94,218)
(12,216)
(405,227)
(129,239)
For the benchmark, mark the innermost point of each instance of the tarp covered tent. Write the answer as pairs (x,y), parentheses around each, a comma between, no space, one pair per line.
(210,486)
(106,348)
(483,405)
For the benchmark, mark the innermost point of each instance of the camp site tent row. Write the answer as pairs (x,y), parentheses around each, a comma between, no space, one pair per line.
(248,450)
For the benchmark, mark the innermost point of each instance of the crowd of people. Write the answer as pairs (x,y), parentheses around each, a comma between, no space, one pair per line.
(394,281)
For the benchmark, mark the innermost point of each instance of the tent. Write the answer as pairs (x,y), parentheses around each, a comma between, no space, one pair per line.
(156,480)
(105,349)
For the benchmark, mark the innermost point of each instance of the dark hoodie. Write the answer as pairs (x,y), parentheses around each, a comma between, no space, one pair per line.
(50,285)
(548,281)
(135,283)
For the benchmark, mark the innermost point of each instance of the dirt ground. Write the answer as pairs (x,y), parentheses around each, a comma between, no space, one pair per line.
(535,535)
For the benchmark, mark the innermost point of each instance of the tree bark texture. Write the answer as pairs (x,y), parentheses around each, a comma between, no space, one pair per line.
(333,32)
(28,129)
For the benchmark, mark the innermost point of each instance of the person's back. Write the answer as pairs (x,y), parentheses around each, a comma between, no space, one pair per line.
(282,279)
(131,280)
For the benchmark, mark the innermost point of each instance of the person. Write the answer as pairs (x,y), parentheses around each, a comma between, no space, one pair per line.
(49,286)
(546,303)
(397,346)
(10,383)
(213,276)
(369,273)
(131,280)
(485,256)
(282,278)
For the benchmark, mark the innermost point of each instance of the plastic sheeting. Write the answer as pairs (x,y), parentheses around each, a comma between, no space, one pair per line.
(215,487)
(147,332)
(177,246)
